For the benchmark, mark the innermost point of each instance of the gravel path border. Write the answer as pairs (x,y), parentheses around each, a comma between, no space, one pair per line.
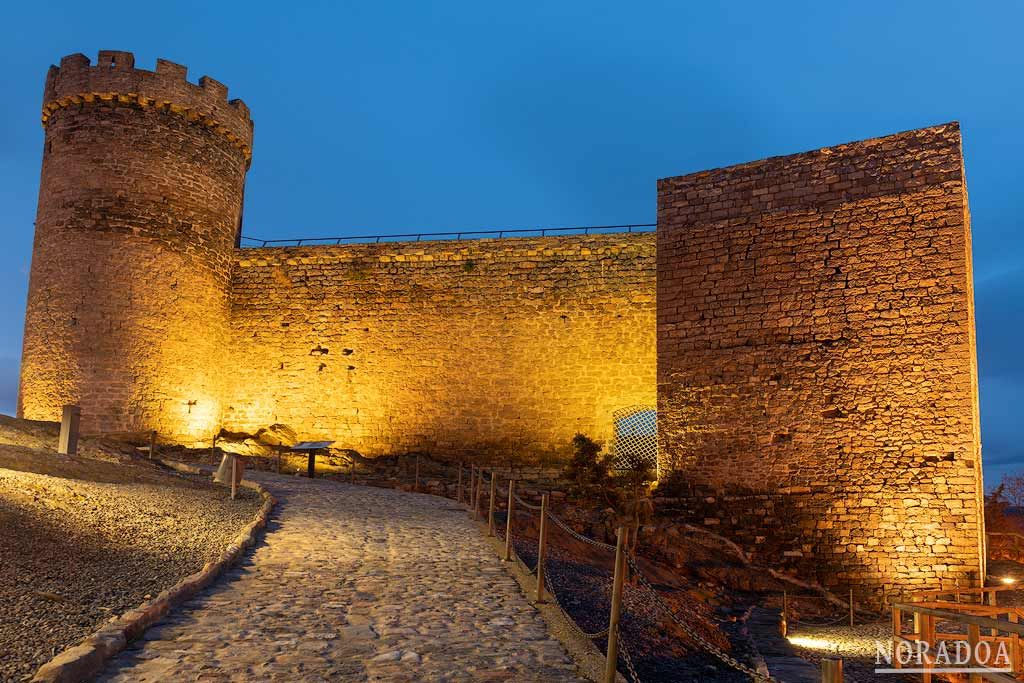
(85,660)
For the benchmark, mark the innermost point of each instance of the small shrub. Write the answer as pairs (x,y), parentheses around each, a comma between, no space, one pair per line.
(587,473)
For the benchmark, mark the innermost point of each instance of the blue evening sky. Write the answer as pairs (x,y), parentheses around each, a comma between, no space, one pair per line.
(423,116)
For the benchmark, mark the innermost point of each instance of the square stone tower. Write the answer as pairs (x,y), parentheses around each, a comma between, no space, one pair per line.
(817,375)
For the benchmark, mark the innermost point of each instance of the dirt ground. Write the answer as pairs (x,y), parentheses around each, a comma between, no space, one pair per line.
(86,538)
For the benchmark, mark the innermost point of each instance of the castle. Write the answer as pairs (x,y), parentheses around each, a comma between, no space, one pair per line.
(804,325)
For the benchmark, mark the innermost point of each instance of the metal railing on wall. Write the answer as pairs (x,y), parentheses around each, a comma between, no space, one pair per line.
(251,242)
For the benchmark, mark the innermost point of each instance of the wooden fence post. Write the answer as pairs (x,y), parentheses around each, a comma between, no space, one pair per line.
(851,626)
(832,670)
(784,622)
(991,601)
(67,440)
(973,638)
(416,486)
(458,487)
(352,471)
(928,636)
(474,493)
(234,475)
(612,657)
(897,632)
(542,538)
(1015,662)
(152,444)
(490,505)
(479,493)
(508,520)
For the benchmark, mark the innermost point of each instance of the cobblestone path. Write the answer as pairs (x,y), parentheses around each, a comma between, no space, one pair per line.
(355,583)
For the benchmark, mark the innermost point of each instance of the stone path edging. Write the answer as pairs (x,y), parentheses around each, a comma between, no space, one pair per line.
(85,660)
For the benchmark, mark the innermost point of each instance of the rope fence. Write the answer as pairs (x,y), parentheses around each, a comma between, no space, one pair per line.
(605,598)
(847,616)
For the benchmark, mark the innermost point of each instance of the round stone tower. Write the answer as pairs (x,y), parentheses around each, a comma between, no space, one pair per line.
(140,204)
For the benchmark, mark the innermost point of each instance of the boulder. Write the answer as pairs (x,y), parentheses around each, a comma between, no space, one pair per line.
(277,435)
(241,443)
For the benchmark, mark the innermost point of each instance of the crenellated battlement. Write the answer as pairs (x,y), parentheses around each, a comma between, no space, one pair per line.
(114,79)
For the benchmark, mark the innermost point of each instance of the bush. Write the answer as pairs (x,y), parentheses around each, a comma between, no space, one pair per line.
(587,472)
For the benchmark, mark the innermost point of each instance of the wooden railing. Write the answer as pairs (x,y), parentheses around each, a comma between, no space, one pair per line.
(951,623)
(956,597)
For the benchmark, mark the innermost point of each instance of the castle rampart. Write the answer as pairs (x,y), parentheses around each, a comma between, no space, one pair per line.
(490,348)
(114,80)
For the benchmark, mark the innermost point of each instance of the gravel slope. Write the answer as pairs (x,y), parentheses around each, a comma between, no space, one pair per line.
(99,538)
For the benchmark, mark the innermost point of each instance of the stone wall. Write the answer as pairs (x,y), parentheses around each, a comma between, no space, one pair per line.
(816,357)
(454,347)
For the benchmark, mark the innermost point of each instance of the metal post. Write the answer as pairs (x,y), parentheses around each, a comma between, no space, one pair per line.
(152,445)
(458,487)
(508,520)
(416,486)
(612,656)
(832,670)
(67,443)
(234,475)
(851,620)
(542,538)
(490,505)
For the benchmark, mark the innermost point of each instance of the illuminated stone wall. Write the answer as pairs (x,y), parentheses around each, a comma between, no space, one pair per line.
(815,364)
(481,347)
(139,207)
(816,358)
